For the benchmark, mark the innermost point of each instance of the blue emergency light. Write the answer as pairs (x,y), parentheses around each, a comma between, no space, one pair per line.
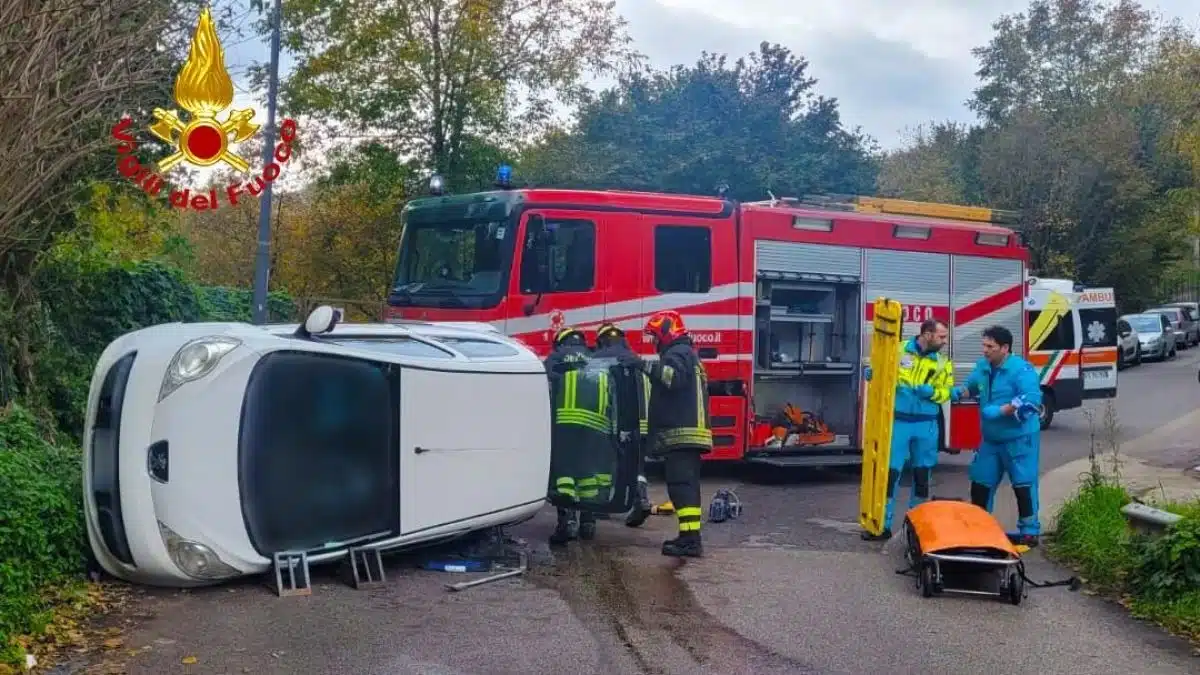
(504,176)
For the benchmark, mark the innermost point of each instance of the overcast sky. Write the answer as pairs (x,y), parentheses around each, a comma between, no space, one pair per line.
(891,64)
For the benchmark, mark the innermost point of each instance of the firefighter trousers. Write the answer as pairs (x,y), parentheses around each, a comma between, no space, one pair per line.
(579,466)
(682,469)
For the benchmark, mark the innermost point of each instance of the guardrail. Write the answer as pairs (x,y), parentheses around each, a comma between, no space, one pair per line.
(1148,519)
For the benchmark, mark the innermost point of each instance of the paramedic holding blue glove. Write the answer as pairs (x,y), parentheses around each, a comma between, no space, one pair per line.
(1010,395)
(925,383)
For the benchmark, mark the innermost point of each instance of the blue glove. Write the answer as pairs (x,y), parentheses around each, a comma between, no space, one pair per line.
(1024,409)
(867,373)
(925,391)
(957,393)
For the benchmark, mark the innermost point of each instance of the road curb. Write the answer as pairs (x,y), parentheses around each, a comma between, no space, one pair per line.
(1062,483)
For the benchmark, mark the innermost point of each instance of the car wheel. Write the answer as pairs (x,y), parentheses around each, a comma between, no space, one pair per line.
(1047,415)
(1137,358)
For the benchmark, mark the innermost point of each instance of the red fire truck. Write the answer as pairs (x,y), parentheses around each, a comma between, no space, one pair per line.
(777,294)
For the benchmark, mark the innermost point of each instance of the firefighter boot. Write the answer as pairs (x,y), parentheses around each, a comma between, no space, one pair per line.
(587,526)
(566,529)
(642,509)
(686,545)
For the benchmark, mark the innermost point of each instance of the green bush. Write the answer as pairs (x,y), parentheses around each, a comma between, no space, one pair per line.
(235,304)
(42,536)
(1159,573)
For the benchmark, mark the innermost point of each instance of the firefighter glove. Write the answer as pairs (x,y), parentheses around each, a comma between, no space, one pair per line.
(867,373)
(632,361)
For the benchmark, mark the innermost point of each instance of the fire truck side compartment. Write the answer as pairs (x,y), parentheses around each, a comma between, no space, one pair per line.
(808,337)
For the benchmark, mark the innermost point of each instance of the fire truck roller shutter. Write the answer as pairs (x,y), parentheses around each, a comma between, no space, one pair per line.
(813,260)
(983,292)
(920,281)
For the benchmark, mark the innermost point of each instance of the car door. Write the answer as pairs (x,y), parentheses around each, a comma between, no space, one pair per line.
(1127,341)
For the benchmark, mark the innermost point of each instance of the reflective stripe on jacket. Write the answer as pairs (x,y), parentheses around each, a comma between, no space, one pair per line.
(917,369)
(580,397)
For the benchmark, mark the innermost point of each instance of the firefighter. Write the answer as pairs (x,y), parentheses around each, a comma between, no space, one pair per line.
(611,343)
(579,415)
(925,383)
(1010,396)
(678,422)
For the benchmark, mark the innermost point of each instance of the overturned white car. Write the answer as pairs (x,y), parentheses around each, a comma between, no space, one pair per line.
(211,447)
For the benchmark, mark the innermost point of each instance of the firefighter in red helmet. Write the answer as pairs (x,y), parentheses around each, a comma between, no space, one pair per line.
(679,423)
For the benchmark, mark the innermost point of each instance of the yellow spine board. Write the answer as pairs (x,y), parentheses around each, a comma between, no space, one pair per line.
(881,408)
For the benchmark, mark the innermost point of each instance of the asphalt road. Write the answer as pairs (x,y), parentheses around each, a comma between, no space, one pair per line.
(788,588)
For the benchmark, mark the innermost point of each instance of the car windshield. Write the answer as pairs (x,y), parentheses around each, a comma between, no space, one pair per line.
(1173,315)
(458,263)
(1145,324)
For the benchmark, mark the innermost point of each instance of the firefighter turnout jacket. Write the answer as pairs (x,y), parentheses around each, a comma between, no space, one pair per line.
(678,408)
(617,350)
(578,401)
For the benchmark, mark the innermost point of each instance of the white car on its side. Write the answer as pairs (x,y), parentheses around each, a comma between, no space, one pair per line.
(210,447)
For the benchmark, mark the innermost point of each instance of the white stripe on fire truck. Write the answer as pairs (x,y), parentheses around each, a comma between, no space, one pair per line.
(634,309)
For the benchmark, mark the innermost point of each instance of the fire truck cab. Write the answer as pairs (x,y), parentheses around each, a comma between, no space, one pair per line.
(777,294)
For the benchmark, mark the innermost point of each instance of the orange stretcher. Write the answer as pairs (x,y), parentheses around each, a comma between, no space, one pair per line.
(949,539)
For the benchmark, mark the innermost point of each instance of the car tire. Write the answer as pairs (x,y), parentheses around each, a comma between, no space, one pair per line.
(1047,416)
(1137,357)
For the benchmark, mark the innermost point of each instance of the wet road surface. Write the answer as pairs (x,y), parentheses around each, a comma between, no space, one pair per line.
(787,588)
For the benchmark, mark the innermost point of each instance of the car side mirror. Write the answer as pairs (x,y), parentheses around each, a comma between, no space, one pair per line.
(321,320)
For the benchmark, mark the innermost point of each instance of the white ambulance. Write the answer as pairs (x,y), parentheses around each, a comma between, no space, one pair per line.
(1072,333)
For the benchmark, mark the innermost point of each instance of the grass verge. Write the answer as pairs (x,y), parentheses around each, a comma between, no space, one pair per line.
(1156,577)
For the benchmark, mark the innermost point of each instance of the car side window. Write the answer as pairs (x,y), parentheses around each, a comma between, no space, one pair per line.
(1123,327)
(1166,323)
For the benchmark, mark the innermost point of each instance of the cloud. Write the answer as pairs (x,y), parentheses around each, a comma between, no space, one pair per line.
(891,65)
(882,84)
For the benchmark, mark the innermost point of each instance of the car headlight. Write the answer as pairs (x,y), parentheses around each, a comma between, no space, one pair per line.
(195,559)
(194,360)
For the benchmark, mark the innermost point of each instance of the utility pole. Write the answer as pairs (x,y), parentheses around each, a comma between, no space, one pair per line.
(262,263)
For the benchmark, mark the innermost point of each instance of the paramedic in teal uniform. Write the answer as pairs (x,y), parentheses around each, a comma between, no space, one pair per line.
(1009,392)
(925,383)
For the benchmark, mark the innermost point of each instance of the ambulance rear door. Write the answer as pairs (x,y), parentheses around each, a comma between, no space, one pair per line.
(1097,310)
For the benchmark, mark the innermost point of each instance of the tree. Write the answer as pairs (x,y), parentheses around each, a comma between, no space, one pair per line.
(755,124)
(70,71)
(431,75)
(1060,56)
(937,166)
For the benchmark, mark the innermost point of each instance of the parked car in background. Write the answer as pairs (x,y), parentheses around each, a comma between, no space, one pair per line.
(1129,351)
(1156,337)
(1192,310)
(211,447)
(1182,323)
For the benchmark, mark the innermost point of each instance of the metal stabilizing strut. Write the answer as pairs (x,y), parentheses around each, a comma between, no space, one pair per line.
(366,567)
(522,565)
(291,573)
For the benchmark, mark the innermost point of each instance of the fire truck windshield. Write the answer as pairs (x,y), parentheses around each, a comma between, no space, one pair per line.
(453,263)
